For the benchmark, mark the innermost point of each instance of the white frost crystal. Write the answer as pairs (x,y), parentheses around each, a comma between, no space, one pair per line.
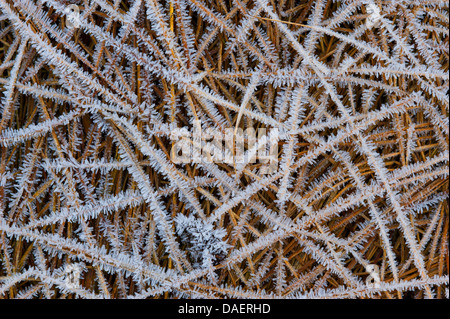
(201,238)
(374,15)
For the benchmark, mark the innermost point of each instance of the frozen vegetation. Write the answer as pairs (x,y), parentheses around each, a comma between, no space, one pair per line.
(347,199)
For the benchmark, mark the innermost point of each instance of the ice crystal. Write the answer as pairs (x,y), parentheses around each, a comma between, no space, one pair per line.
(202,239)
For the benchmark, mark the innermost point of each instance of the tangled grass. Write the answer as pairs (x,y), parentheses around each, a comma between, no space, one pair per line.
(356,207)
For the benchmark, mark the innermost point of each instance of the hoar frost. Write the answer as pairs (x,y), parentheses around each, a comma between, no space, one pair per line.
(202,239)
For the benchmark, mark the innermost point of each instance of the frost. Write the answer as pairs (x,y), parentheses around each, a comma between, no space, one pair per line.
(203,240)
(342,195)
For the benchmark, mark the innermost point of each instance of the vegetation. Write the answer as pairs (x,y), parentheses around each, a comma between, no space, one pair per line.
(356,207)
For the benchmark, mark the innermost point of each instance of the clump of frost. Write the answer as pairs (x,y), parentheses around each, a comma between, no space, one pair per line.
(374,17)
(202,239)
